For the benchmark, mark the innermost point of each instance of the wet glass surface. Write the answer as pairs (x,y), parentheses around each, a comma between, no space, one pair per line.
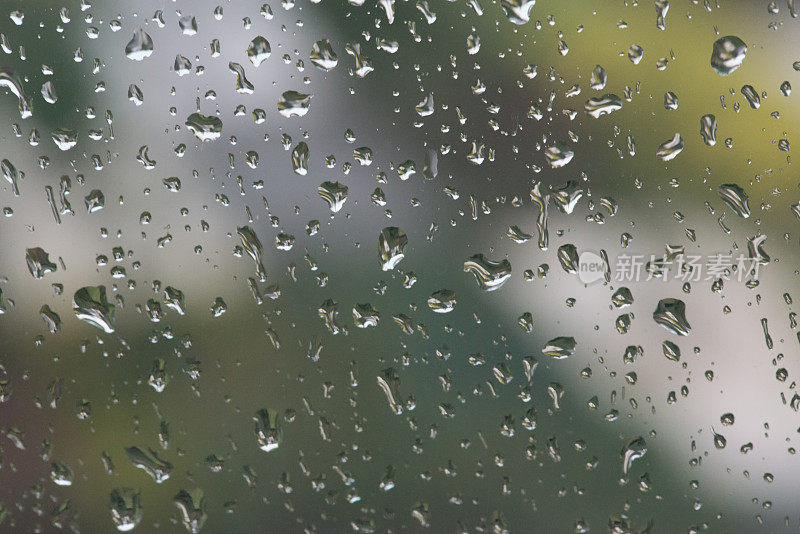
(391,266)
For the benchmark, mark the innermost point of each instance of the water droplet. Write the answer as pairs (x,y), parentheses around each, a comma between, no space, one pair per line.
(490,275)
(670,101)
(91,306)
(728,54)
(258,50)
(11,81)
(182,66)
(268,433)
(708,129)
(751,96)
(727,419)
(622,297)
(191,505)
(634,450)
(204,127)
(671,314)
(392,243)
(518,11)
(64,138)
(61,474)
(140,46)
(364,315)
(635,54)
(12,175)
(598,106)
(719,440)
(188,25)
(323,56)
(755,249)
(293,104)
(671,351)
(150,463)
(568,257)
(300,156)
(662,7)
(94,201)
(125,505)
(735,197)
(598,79)
(335,194)
(558,155)
(218,307)
(243,85)
(363,64)
(670,149)
(39,263)
(442,301)
(560,347)
(252,245)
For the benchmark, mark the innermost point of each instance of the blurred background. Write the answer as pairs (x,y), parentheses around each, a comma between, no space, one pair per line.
(477,445)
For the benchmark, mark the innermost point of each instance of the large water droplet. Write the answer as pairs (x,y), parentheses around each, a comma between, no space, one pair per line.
(392,244)
(334,193)
(518,11)
(560,347)
(323,56)
(708,129)
(140,46)
(293,104)
(125,505)
(671,314)
(91,306)
(598,106)
(728,54)
(735,197)
(204,127)
(258,51)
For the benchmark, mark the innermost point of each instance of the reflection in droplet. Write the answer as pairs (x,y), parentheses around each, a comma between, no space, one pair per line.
(708,129)
(11,81)
(735,197)
(252,245)
(671,314)
(204,127)
(39,263)
(323,56)
(125,505)
(392,243)
(490,275)
(518,11)
(442,301)
(633,450)
(560,347)
(670,149)
(728,54)
(268,433)
(140,46)
(293,104)
(598,106)
(150,463)
(91,306)
(334,193)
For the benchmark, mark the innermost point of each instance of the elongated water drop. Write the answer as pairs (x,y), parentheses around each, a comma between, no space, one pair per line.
(490,275)
(392,243)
